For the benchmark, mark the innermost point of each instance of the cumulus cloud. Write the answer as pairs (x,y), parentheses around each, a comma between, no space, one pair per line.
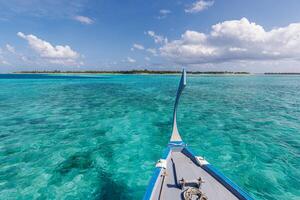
(54,54)
(157,38)
(83,19)
(131,60)
(137,46)
(47,50)
(235,40)
(199,6)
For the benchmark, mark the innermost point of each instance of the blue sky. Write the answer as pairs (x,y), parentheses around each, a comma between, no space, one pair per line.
(255,36)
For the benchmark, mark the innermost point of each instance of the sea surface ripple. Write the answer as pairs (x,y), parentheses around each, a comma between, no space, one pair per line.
(99,136)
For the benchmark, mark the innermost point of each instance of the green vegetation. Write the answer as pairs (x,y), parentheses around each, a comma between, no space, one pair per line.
(145,71)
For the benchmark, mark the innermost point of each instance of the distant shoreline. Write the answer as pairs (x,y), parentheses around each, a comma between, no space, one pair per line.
(149,72)
(133,72)
(282,73)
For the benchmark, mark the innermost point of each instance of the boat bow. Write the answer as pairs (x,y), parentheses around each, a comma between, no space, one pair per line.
(175,137)
(180,175)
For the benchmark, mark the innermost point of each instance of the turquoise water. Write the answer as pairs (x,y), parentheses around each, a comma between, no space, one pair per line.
(98,137)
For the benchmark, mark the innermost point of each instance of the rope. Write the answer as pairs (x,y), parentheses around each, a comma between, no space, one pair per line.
(193,192)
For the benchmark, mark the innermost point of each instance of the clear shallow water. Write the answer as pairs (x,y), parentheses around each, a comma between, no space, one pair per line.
(98,137)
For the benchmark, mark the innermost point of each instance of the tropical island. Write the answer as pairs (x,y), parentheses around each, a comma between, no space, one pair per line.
(145,71)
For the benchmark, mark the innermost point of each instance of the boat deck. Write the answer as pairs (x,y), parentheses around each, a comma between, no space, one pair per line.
(181,166)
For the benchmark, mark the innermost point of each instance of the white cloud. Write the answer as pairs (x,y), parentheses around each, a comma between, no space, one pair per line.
(157,38)
(137,46)
(24,58)
(53,54)
(47,50)
(147,58)
(10,56)
(163,13)
(152,51)
(10,48)
(237,49)
(2,60)
(83,19)
(199,6)
(235,40)
(131,60)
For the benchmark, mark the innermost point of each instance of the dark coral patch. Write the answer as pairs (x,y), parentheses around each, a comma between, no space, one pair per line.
(79,161)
